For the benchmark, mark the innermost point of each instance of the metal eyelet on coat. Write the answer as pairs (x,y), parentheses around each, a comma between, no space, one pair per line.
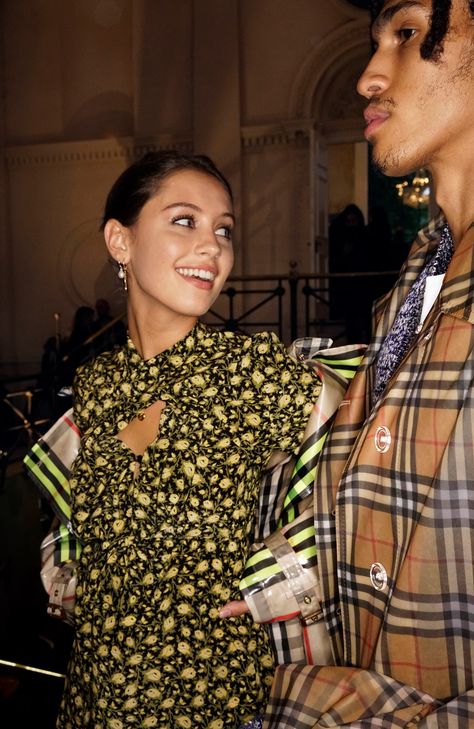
(378,576)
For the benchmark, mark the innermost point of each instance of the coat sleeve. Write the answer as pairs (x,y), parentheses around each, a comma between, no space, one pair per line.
(285,537)
(306,697)
(456,713)
(280,578)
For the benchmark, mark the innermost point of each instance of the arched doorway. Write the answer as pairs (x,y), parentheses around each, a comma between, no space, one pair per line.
(324,93)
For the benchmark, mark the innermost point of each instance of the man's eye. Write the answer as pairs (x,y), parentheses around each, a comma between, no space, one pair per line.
(405,34)
(225,231)
(187,221)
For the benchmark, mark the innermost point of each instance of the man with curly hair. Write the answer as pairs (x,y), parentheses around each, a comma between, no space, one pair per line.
(394,492)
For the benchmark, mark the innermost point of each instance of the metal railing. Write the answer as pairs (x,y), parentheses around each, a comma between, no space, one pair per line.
(292,305)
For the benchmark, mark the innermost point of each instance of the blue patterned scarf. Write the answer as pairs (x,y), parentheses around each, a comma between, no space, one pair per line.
(402,333)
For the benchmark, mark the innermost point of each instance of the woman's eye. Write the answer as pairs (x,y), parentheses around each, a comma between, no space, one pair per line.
(225,232)
(406,34)
(187,221)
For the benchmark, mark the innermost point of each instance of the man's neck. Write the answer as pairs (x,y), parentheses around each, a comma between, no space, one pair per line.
(453,186)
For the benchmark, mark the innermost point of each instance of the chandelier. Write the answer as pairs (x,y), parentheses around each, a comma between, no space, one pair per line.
(416,193)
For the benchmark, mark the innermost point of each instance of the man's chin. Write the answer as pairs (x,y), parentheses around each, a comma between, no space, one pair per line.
(391,165)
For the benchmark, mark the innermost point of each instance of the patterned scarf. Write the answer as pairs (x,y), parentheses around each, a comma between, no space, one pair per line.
(402,333)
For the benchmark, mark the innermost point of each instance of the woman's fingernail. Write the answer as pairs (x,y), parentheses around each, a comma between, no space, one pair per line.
(225,613)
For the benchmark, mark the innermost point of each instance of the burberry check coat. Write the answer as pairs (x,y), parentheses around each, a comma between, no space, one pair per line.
(394,518)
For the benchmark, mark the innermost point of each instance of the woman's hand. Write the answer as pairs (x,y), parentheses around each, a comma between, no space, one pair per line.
(233,609)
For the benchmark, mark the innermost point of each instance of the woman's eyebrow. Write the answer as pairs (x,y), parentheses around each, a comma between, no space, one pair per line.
(183,205)
(384,18)
(194,207)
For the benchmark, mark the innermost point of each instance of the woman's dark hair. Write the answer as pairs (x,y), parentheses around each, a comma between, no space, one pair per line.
(139,182)
(432,47)
(355,212)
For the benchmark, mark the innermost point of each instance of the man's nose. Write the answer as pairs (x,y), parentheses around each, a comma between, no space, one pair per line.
(374,80)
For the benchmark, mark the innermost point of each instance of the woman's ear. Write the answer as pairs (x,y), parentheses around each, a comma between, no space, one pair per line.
(117,241)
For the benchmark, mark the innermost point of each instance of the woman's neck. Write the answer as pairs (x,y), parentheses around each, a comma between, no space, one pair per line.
(151,337)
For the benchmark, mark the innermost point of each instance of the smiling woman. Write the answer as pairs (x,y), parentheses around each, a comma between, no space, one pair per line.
(177,255)
(176,429)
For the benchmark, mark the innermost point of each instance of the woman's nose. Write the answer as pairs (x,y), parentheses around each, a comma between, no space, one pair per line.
(207,244)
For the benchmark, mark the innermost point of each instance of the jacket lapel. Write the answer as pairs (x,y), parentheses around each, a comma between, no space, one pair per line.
(348,434)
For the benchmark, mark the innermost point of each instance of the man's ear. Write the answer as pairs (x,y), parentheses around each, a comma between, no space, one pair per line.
(117,240)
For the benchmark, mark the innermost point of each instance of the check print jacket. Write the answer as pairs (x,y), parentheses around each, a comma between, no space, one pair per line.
(394,519)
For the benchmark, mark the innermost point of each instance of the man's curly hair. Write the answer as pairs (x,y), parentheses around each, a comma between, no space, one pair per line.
(432,47)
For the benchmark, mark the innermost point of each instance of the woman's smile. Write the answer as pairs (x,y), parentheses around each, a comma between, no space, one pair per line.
(200,277)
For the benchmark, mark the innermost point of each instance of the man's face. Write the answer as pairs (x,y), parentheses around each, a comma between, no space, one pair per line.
(421,112)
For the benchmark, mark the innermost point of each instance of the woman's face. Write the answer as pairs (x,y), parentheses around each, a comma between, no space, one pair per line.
(179,252)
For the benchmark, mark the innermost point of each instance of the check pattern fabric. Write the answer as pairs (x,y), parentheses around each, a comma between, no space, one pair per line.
(48,464)
(288,481)
(400,506)
(285,504)
(280,469)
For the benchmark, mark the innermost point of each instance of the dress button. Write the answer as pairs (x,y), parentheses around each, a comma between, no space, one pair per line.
(378,576)
(383,439)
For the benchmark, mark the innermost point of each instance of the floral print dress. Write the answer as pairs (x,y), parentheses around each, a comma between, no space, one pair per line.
(166,536)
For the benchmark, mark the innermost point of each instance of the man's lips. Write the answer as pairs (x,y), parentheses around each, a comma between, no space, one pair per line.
(374,118)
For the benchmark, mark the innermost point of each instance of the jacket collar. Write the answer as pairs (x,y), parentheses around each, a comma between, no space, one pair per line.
(457,293)
(386,308)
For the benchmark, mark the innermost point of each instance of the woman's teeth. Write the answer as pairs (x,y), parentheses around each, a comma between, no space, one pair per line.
(197,273)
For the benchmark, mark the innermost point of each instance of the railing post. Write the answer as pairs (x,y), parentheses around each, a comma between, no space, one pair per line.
(231,324)
(293,284)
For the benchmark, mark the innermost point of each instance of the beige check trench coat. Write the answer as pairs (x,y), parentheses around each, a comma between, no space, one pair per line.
(394,516)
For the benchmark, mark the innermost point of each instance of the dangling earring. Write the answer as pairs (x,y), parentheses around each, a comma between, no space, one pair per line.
(122,274)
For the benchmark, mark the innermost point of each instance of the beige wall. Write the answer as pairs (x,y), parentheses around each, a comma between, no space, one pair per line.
(88,84)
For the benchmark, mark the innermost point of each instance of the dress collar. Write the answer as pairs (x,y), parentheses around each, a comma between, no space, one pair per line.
(143,381)
(182,347)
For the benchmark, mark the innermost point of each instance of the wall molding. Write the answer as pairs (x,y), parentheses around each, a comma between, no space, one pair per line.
(295,133)
(94,150)
(290,133)
(51,154)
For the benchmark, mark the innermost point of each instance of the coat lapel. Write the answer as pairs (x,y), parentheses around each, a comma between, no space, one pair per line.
(351,428)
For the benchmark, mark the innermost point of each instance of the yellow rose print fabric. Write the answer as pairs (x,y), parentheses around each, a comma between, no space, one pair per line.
(166,536)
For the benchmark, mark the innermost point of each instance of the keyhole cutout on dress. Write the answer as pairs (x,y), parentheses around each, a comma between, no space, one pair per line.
(143,430)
